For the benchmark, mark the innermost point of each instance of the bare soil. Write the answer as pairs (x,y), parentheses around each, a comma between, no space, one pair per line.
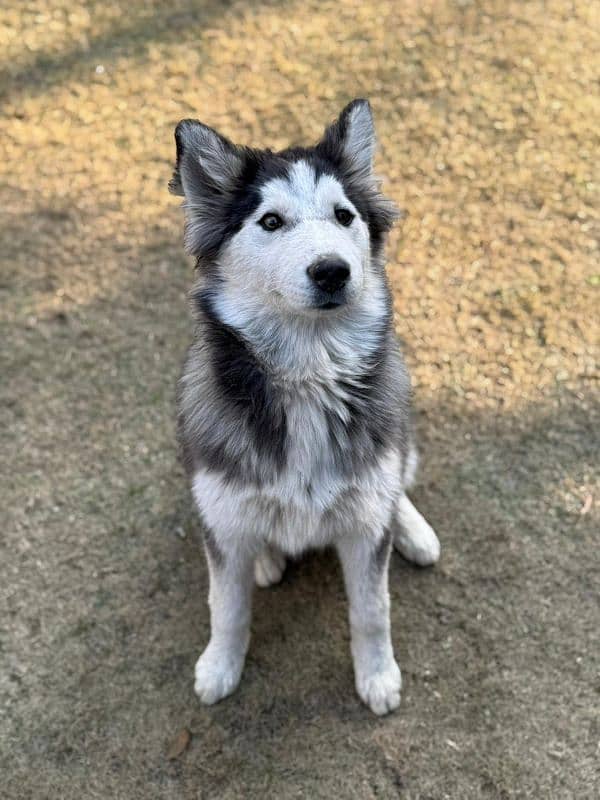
(488,115)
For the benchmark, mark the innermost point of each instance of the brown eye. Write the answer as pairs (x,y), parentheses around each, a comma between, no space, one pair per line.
(270,222)
(344,217)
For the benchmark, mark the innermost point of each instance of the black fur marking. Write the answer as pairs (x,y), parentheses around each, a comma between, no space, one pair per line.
(382,552)
(259,167)
(213,551)
(247,386)
(175,185)
(364,402)
(372,401)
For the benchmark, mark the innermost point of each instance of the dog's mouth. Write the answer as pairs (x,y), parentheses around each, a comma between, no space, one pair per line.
(329,301)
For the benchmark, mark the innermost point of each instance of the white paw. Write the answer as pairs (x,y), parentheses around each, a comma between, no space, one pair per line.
(381,690)
(217,675)
(269,567)
(414,537)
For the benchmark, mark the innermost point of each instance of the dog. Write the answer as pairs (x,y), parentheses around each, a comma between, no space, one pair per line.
(294,401)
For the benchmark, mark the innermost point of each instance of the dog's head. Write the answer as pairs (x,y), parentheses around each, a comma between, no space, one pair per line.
(299,228)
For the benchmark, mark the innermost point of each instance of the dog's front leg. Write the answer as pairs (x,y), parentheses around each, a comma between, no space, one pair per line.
(365,561)
(219,668)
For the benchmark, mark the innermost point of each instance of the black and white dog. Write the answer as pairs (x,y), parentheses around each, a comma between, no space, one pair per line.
(294,413)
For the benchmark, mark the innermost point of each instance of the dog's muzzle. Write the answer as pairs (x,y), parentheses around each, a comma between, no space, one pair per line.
(330,276)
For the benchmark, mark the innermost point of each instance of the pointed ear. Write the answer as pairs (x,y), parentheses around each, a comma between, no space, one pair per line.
(349,144)
(350,140)
(206,161)
(206,173)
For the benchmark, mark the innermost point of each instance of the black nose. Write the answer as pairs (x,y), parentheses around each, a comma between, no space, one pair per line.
(330,274)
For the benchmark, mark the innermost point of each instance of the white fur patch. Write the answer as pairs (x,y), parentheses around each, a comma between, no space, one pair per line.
(217,673)
(376,672)
(416,540)
(269,567)
(284,514)
(359,145)
(272,267)
(410,468)
(380,689)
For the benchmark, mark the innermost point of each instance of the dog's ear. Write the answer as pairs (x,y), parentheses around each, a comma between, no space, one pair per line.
(206,174)
(206,161)
(350,141)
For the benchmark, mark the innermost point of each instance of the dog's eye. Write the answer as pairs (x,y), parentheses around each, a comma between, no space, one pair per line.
(344,217)
(270,222)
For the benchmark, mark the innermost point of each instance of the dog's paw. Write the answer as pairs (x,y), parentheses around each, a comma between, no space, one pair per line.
(419,545)
(216,675)
(269,567)
(414,537)
(381,690)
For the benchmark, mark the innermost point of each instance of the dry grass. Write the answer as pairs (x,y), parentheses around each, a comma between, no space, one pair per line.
(488,116)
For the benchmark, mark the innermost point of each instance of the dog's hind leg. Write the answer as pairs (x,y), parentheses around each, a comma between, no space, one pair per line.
(269,566)
(414,538)
(219,668)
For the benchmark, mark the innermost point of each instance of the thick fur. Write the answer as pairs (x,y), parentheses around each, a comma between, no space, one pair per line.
(294,415)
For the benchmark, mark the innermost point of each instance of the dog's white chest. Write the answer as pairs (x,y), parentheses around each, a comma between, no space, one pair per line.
(309,502)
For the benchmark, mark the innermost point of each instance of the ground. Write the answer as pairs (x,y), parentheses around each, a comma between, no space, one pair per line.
(488,116)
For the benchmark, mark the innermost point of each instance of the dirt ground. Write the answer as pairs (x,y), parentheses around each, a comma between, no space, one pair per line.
(488,115)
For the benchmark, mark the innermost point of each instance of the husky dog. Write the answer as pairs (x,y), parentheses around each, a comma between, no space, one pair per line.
(294,416)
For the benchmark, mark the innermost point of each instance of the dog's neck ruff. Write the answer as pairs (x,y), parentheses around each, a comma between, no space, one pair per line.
(297,348)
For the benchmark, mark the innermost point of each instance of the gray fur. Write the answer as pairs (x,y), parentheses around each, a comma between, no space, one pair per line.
(242,432)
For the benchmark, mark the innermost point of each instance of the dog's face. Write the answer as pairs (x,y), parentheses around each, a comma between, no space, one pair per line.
(297,229)
(305,245)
